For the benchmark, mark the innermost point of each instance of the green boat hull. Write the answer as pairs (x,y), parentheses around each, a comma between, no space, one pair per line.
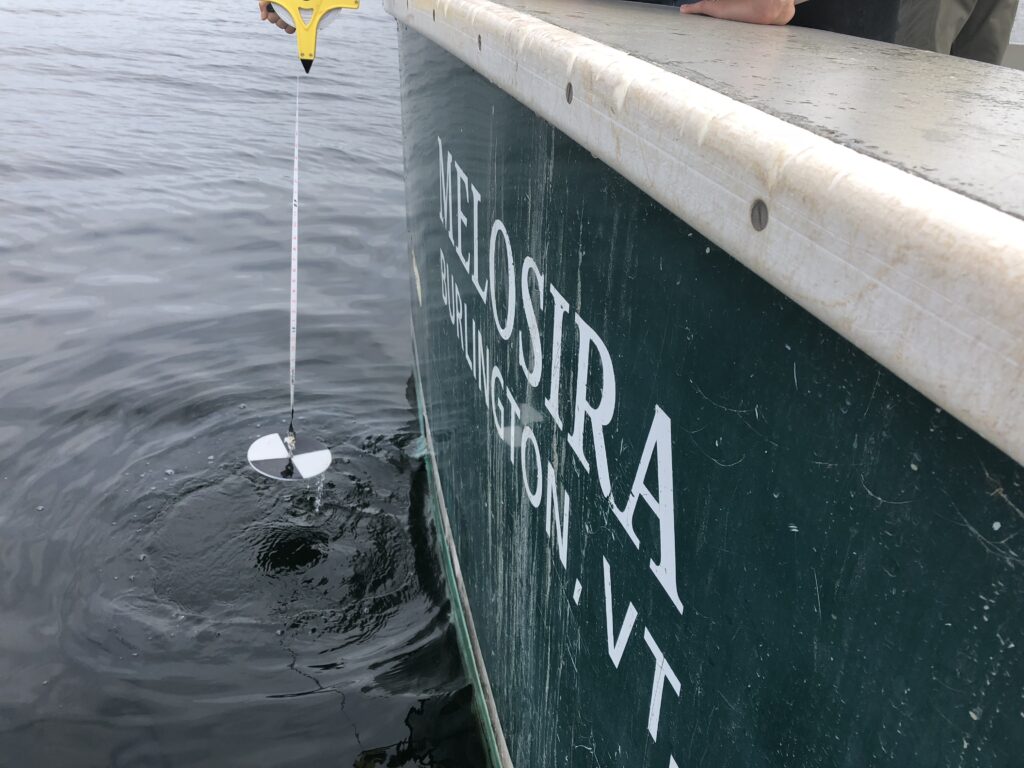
(687,523)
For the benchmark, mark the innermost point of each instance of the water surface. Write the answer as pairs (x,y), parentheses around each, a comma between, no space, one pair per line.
(160,604)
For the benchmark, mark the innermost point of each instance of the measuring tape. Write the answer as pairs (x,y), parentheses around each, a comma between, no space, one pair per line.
(290,457)
(293,457)
(293,325)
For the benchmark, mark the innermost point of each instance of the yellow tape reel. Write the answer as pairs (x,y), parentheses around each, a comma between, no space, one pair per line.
(305,16)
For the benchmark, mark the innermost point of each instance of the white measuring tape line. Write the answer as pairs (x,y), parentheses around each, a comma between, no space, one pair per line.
(291,457)
(294,319)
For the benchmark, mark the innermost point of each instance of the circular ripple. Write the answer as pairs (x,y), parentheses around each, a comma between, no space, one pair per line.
(282,548)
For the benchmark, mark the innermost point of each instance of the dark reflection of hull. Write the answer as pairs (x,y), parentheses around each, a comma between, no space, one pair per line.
(442,732)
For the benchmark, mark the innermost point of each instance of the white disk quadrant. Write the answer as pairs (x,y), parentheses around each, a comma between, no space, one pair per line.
(269,456)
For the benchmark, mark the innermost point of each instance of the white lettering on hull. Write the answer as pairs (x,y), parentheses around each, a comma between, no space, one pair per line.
(616,640)
(600,414)
(559,309)
(592,402)
(659,441)
(662,672)
(551,512)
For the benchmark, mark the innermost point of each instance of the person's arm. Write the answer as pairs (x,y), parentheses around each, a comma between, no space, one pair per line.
(267,13)
(750,11)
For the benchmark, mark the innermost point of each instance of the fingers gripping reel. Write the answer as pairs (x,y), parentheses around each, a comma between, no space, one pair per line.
(306,16)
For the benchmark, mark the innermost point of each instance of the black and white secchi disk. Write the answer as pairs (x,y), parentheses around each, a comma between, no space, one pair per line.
(270,456)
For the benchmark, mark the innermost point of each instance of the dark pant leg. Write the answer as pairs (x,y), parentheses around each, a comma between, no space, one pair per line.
(932,25)
(987,32)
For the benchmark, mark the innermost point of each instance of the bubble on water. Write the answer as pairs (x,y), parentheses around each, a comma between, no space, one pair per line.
(417,449)
(40,508)
(142,557)
(241,406)
(168,472)
(319,498)
(209,458)
(996,525)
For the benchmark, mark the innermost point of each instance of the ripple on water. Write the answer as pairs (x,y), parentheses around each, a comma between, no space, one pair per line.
(197,583)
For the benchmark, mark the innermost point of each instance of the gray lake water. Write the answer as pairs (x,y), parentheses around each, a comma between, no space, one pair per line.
(160,603)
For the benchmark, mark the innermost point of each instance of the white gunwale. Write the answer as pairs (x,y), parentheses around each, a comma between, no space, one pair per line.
(927,281)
